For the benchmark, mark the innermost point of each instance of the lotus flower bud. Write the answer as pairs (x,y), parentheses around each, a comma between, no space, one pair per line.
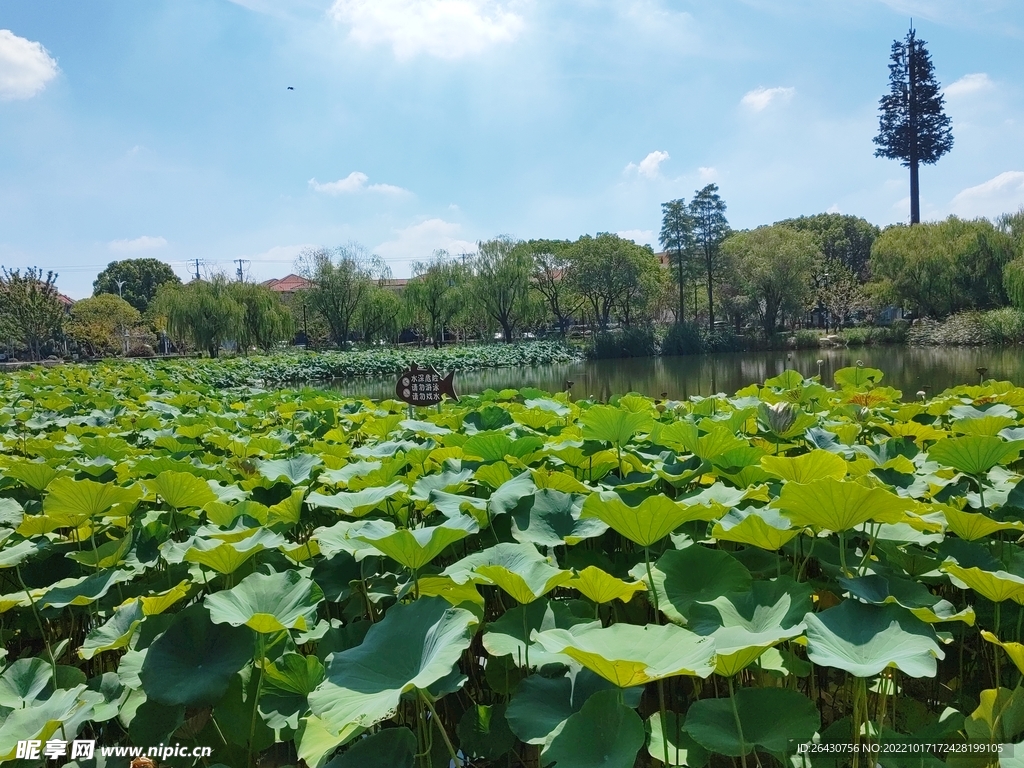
(779,417)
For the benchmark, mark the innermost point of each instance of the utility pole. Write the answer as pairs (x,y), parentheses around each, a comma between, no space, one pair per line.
(241,279)
(197,268)
(120,285)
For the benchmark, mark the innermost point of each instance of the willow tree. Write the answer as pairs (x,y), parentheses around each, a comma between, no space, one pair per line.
(432,295)
(339,281)
(913,127)
(264,321)
(204,312)
(501,285)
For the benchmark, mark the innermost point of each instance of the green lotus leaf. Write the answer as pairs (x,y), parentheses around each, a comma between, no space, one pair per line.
(495,446)
(35,474)
(695,574)
(761,527)
(23,681)
(17,554)
(1014,650)
(971,526)
(422,489)
(518,569)
(996,586)
(180,490)
(341,477)
(774,719)
(974,454)
(541,705)
(11,513)
(912,595)
(229,556)
(484,732)
(287,683)
(64,710)
(459,595)
(986,426)
(115,632)
(72,502)
(294,471)
(746,624)
(106,555)
(865,639)
(453,505)
(389,748)
(604,732)
(833,505)
(357,503)
(267,603)
(510,492)
(628,655)
(82,590)
(344,537)
(510,633)
(681,748)
(998,718)
(602,587)
(412,647)
(417,547)
(550,518)
(613,425)
(314,741)
(816,465)
(287,511)
(858,377)
(193,662)
(649,522)
(158,602)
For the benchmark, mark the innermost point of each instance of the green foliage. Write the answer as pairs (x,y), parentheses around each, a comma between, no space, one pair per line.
(682,339)
(507,579)
(339,282)
(501,284)
(100,323)
(625,342)
(204,313)
(943,267)
(842,239)
(616,277)
(140,281)
(31,311)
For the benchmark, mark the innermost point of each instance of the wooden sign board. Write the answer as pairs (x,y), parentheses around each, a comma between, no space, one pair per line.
(424,386)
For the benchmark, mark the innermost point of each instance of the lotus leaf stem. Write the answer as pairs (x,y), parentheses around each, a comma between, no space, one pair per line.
(440,727)
(739,725)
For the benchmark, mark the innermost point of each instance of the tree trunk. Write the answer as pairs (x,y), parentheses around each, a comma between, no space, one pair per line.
(915,193)
(711,304)
(682,288)
(506,332)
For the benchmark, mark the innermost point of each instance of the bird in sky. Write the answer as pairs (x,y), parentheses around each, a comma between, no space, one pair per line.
(290,88)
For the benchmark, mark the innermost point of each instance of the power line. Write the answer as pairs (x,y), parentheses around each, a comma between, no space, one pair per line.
(239,271)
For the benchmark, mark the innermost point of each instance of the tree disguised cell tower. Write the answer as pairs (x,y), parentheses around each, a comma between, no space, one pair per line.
(913,128)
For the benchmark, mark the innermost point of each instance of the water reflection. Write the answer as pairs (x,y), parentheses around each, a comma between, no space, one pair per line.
(910,369)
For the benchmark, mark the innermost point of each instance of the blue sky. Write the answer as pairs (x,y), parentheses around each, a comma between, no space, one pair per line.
(166,128)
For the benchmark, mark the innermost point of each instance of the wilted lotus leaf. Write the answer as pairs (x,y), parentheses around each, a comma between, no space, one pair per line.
(267,603)
(647,523)
(911,595)
(865,639)
(833,505)
(746,624)
(412,647)
(628,655)
(602,587)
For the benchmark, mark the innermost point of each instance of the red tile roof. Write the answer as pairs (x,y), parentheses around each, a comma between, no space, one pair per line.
(288,284)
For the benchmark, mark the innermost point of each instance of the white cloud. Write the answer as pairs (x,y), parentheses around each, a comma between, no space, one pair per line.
(761,98)
(355,182)
(707,173)
(446,29)
(144,243)
(638,236)
(834,208)
(1002,194)
(650,165)
(419,241)
(25,67)
(969,84)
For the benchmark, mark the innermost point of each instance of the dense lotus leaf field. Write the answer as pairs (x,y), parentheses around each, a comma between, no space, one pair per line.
(516,579)
(288,367)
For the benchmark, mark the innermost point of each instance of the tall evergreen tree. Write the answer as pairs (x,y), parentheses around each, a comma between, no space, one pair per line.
(677,239)
(710,228)
(913,127)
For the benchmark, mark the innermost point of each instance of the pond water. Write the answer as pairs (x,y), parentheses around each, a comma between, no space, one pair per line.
(909,369)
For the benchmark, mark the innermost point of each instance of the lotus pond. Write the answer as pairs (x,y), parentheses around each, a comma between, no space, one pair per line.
(516,579)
